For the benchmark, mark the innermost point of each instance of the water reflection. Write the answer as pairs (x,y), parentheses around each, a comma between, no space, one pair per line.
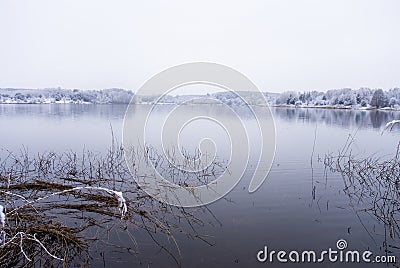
(61,111)
(344,118)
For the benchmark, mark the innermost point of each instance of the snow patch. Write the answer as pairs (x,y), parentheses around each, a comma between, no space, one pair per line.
(2,216)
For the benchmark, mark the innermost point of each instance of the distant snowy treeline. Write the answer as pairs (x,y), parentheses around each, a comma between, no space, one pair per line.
(346,97)
(59,95)
(337,98)
(360,98)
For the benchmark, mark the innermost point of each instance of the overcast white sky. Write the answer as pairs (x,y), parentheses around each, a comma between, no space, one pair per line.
(279,44)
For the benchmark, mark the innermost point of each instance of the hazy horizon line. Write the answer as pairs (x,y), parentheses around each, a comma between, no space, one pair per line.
(200,93)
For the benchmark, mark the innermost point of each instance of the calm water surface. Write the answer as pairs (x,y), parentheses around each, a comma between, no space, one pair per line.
(298,207)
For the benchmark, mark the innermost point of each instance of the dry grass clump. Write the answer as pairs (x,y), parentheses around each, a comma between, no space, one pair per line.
(374,183)
(54,207)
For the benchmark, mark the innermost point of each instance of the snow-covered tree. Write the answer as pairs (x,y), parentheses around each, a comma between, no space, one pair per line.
(379,99)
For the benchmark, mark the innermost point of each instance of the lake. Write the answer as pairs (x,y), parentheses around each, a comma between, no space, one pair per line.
(300,206)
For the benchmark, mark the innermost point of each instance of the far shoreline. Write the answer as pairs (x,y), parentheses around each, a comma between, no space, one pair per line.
(289,106)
